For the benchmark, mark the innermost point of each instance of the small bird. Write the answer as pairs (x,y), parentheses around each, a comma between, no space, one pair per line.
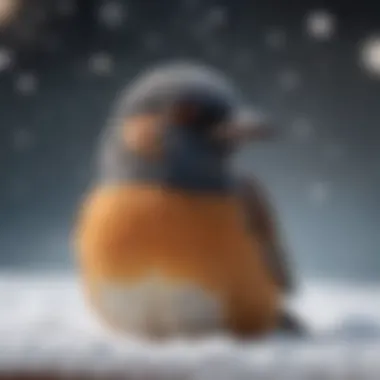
(170,240)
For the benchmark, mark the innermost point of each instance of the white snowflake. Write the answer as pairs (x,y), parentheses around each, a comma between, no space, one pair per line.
(275,39)
(22,139)
(214,19)
(112,14)
(302,130)
(101,64)
(320,192)
(247,115)
(289,80)
(218,16)
(6,59)
(370,55)
(26,84)
(320,24)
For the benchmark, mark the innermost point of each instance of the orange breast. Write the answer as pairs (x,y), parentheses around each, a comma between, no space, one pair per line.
(125,233)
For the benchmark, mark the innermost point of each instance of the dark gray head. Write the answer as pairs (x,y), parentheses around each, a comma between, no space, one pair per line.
(174,126)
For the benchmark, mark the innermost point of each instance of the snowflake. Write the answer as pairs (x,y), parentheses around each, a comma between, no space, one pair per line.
(101,64)
(370,55)
(289,80)
(26,84)
(246,116)
(319,192)
(320,24)
(6,59)
(22,140)
(217,17)
(302,130)
(275,39)
(112,14)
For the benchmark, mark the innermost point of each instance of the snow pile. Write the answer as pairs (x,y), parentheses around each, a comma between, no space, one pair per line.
(45,324)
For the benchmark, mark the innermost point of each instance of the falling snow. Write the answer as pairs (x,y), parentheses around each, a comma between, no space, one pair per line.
(320,25)
(210,24)
(247,115)
(112,14)
(217,17)
(276,39)
(22,140)
(320,192)
(286,72)
(6,59)
(289,80)
(302,130)
(101,64)
(370,56)
(26,84)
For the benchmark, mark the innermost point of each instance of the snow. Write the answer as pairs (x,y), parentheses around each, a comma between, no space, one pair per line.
(320,24)
(276,39)
(26,84)
(289,80)
(112,14)
(6,59)
(302,130)
(320,192)
(45,322)
(101,64)
(370,56)
(22,140)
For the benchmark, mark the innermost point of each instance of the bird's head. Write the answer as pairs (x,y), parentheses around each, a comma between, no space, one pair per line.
(176,126)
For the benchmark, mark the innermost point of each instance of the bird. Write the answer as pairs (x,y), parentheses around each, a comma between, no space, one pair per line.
(169,240)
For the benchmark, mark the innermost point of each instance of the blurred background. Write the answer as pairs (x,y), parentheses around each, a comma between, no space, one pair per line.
(313,67)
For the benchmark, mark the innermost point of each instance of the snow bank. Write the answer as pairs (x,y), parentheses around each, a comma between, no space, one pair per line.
(44,324)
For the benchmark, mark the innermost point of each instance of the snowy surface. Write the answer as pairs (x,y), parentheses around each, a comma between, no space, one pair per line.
(44,323)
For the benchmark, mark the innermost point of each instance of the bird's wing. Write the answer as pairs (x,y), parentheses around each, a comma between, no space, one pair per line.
(262,222)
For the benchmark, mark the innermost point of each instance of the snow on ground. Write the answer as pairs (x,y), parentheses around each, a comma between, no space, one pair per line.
(44,321)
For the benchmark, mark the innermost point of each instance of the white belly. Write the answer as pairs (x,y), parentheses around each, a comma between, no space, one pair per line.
(158,308)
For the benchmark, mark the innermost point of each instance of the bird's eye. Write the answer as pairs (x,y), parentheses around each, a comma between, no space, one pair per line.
(183,114)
